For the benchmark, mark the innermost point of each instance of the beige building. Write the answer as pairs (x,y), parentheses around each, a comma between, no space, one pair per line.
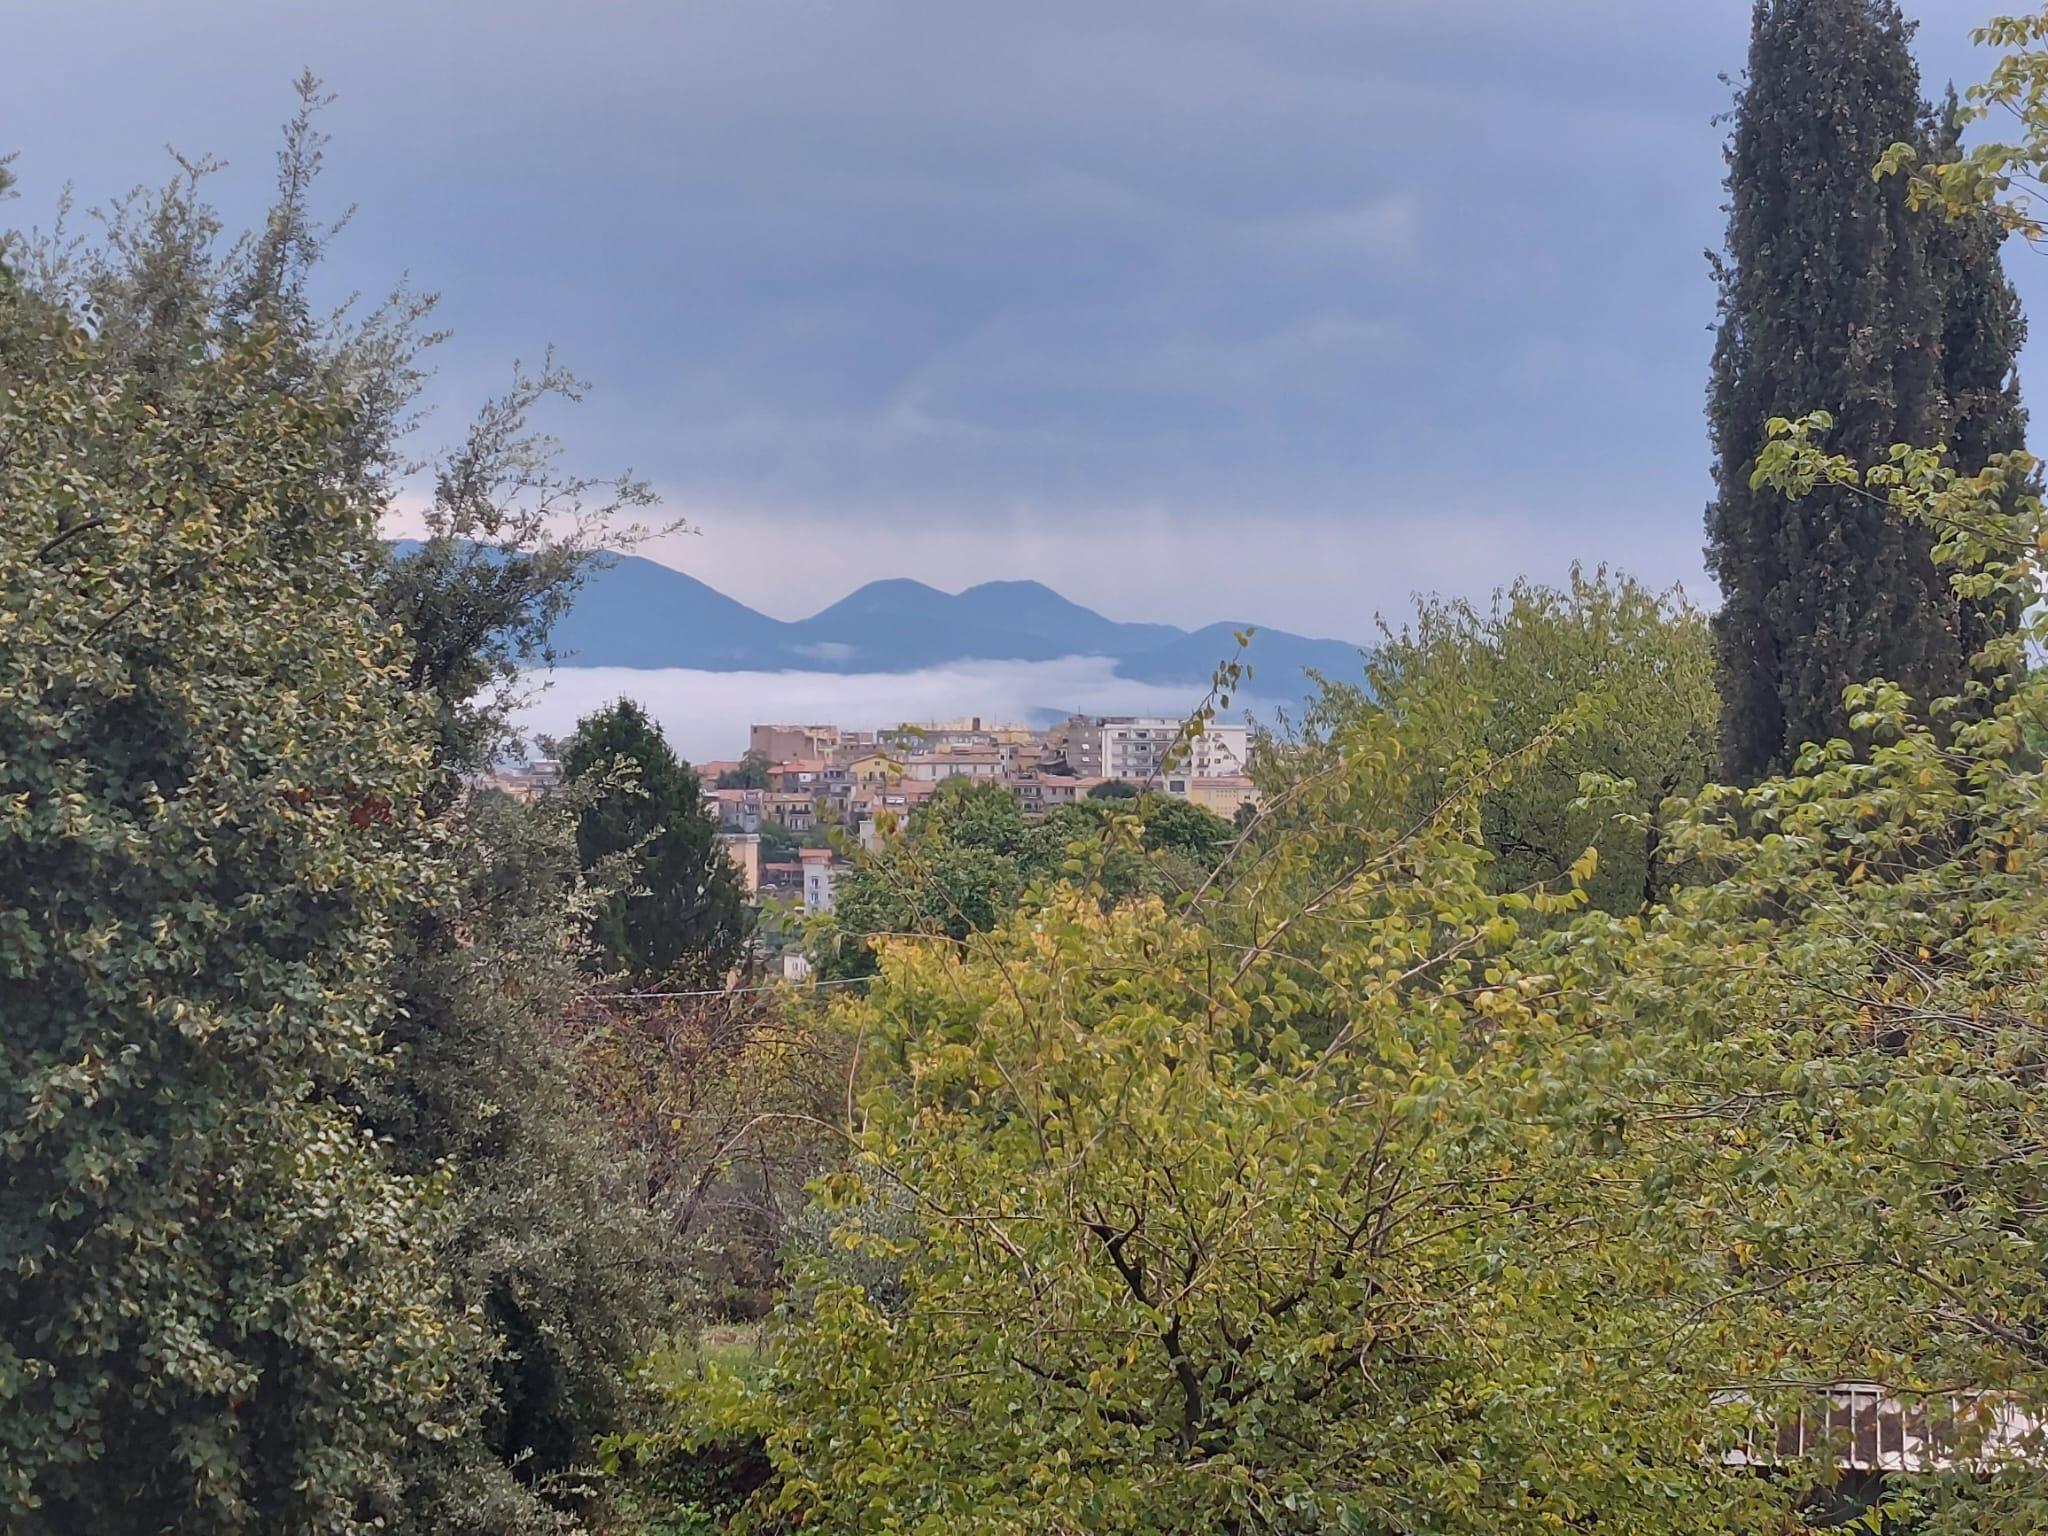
(1221,793)
(1038,792)
(527,781)
(932,767)
(780,743)
(744,849)
(799,813)
(872,768)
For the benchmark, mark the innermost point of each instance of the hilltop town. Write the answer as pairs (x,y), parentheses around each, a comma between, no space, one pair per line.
(802,796)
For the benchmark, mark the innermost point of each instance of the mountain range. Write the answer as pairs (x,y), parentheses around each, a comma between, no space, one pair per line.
(635,612)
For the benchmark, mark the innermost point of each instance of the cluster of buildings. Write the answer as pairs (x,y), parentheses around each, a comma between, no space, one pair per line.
(803,782)
(812,776)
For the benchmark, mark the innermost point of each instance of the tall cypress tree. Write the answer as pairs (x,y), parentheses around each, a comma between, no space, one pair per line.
(1834,295)
(1982,333)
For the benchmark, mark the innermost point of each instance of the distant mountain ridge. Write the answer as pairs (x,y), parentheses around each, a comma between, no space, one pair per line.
(635,612)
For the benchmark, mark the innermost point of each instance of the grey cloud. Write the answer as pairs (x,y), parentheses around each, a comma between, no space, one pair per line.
(1193,308)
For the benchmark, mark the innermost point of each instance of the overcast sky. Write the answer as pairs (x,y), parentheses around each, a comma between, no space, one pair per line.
(1194,309)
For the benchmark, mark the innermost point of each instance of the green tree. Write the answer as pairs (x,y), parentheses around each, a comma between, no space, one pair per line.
(751,773)
(219,1306)
(553,1244)
(1114,789)
(1983,331)
(970,854)
(1835,295)
(1622,674)
(1189,829)
(777,841)
(550,1267)
(1843,1090)
(963,861)
(683,915)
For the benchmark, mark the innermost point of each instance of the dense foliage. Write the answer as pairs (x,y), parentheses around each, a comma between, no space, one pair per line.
(527,1263)
(680,914)
(969,854)
(1837,296)
(218,1304)
(726,1107)
(751,772)
(1601,678)
(551,1245)
(1171,1266)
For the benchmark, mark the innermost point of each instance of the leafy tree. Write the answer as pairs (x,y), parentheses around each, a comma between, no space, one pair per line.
(684,915)
(970,854)
(752,773)
(219,1306)
(1622,675)
(1983,331)
(510,539)
(1835,295)
(937,888)
(973,813)
(1177,825)
(555,1245)
(1114,789)
(550,1271)
(964,860)
(1844,1095)
(1273,1213)
(720,1103)
(778,842)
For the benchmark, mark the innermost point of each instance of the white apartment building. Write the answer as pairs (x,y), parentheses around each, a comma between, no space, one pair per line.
(821,869)
(1134,747)
(1220,752)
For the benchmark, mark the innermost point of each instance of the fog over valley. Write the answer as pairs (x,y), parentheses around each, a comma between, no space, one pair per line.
(705,715)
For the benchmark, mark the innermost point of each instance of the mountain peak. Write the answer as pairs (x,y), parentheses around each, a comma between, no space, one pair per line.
(1019,586)
(637,612)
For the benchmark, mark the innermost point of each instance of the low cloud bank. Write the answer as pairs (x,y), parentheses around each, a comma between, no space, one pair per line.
(706,714)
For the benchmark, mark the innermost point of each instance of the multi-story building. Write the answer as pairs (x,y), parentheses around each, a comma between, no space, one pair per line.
(798,813)
(1220,752)
(821,868)
(875,767)
(853,744)
(1040,792)
(781,743)
(932,767)
(738,810)
(809,776)
(968,731)
(893,802)
(1136,747)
